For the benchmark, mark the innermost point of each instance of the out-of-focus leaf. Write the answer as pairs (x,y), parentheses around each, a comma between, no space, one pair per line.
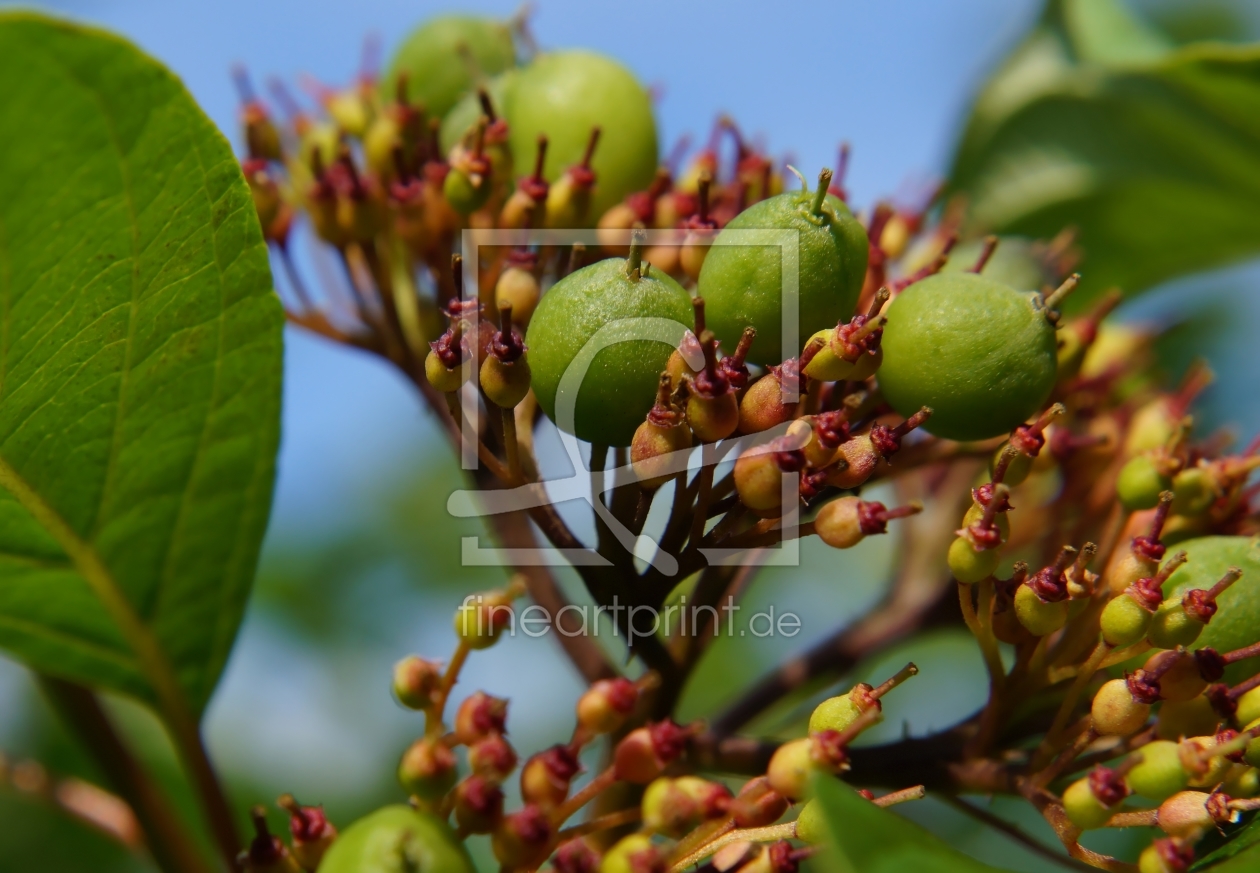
(863,838)
(1151,152)
(1240,855)
(140,363)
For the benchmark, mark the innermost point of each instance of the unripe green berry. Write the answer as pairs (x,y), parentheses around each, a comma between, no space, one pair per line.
(741,282)
(1038,616)
(1124,621)
(827,366)
(1248,707)
(970,566)
(1194,491)
(1252,753)
(834,714)
(517,287)
(981,354)
(975,513)
(1171,626)
(620,385)
(1160,773)
(1205,772)
(1083,807)
(1242,781)
(1140,483)
(396,838)
(1114,711)
(811,824)
(466,192)
(1185,718)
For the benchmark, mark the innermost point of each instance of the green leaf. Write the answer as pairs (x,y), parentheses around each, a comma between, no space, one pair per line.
(1152,153)
(1240,855)
(863,838)
(140,365)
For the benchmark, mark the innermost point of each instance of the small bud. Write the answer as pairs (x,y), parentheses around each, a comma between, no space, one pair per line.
(478,805)
(416,680)
(266,853)
(733,366)
(427,769)
(492,757)
(606,705)
(644,753)
(1115,711)
(790,769)
(757,804)
(505,376)
(846,521)
(842,712)
(712,408)
(663,432)
(482,618)
(1179,622)
(545,777)
(864,453)
(763,406)
(669,810)
(701,230)
(569,199)
(310,830)
(522,839)
(763,473)
(1145,551)
(634,854)
(575,856)
(1091,801)
(480,716)
(1126,618)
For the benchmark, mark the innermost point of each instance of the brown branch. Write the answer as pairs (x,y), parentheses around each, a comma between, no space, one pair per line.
(911,602)
(1000,824)
(171,846)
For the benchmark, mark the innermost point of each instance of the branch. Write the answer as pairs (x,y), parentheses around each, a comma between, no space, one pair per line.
(172,847)
(911,603)
(1000,824)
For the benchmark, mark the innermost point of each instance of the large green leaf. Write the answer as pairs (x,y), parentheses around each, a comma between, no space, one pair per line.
(140,363)
(1096,122)
(863,838)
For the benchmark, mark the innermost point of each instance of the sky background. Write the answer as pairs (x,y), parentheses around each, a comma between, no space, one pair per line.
(894,78)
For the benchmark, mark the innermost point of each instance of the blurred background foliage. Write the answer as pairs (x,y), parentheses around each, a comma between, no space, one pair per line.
(362,564)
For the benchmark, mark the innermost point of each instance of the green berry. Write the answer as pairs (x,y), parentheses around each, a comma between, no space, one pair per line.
(1249,707)
(1039,617)
(1115,712)
(563,95)
(444,56)
(1140,483)
(1252,753)
(396,839)
(1083,807)
(1159,775)
(1243,781)
(975,513)
(834,714)
(1238,609)
(1194,490)
(464,192)
(1171,626)
(635,853)
(1124,621)
(742,283)
(978,352)
(427,769)
(1015,262)
(621,381)
(811,824)
(968,565)
(1185,718)
(791,768)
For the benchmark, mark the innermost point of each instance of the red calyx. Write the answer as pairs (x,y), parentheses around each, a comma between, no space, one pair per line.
(829,749)
(451,347)
(575,856)
(669,740)
(1146,592)
(782,857)
(1176,854)
(1211,663)
(887,440)
(733,366)
(506,344)
(984,494)
(711,381)
(1227,735)
(582,174)
(561,763)
(831,428)
(481,796)
(1148,546)
(643,203)
(1107,785)
(812,483)
(1144,686)
(1222,699)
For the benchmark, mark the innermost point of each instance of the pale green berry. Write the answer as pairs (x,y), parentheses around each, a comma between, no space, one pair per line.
(1124,621)
(1083,807)
(970,566)
(1160,774)
(1039,617)
(1140,483)
(1115,712)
